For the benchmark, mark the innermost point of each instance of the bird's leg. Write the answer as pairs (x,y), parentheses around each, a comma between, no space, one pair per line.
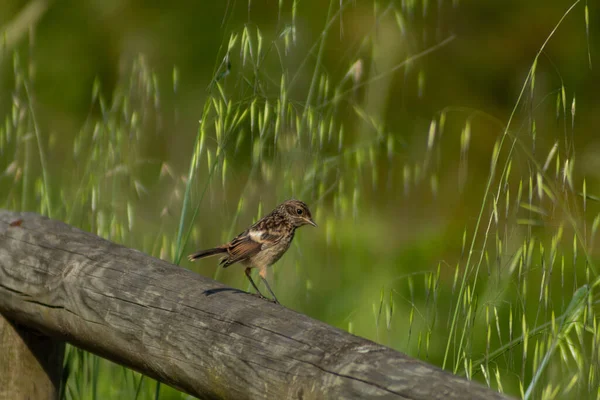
(248,270)
(263,275)
(269,289)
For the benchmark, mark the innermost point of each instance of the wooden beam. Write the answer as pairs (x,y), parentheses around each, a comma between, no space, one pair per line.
(189,331)
(30,363)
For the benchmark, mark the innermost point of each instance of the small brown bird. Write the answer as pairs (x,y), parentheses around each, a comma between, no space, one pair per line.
(261,245)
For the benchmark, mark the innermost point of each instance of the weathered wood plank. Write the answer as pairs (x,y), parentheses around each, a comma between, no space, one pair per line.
(189,331)
(30,363)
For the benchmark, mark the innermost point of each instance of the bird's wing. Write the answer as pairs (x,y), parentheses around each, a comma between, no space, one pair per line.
(249,243)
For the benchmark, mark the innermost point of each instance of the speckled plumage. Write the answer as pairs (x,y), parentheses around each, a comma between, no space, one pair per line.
(263,244)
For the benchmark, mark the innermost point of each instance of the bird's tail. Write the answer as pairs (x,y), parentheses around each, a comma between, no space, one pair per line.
(207,253)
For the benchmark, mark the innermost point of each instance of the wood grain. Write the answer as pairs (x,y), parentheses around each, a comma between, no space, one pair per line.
(191,332)
(30,363)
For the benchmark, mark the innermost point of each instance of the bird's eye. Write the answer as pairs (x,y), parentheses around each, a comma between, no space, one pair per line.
(299,211)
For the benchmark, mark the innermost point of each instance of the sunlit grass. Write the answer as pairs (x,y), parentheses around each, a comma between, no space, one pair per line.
(510,304)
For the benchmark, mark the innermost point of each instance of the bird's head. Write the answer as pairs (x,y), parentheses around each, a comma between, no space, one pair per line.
(298,213)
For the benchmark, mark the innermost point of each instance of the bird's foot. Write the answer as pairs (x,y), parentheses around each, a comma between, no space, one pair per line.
(260,296)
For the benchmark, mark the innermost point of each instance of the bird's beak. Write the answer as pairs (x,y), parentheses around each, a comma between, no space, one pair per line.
(311,222)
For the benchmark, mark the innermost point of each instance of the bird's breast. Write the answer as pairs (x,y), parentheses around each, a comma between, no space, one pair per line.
(270,255)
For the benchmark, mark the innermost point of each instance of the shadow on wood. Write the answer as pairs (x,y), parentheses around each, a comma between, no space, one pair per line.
(30,363)
(189,331)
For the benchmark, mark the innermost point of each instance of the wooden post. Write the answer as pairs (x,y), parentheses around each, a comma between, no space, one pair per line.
(30,363)
(189,331)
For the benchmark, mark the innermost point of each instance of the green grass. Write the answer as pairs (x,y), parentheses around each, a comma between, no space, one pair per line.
(470,248)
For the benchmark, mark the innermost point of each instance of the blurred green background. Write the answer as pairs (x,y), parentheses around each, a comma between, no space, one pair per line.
(449,151)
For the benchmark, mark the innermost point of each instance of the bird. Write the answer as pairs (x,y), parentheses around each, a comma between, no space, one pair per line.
(263,244)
